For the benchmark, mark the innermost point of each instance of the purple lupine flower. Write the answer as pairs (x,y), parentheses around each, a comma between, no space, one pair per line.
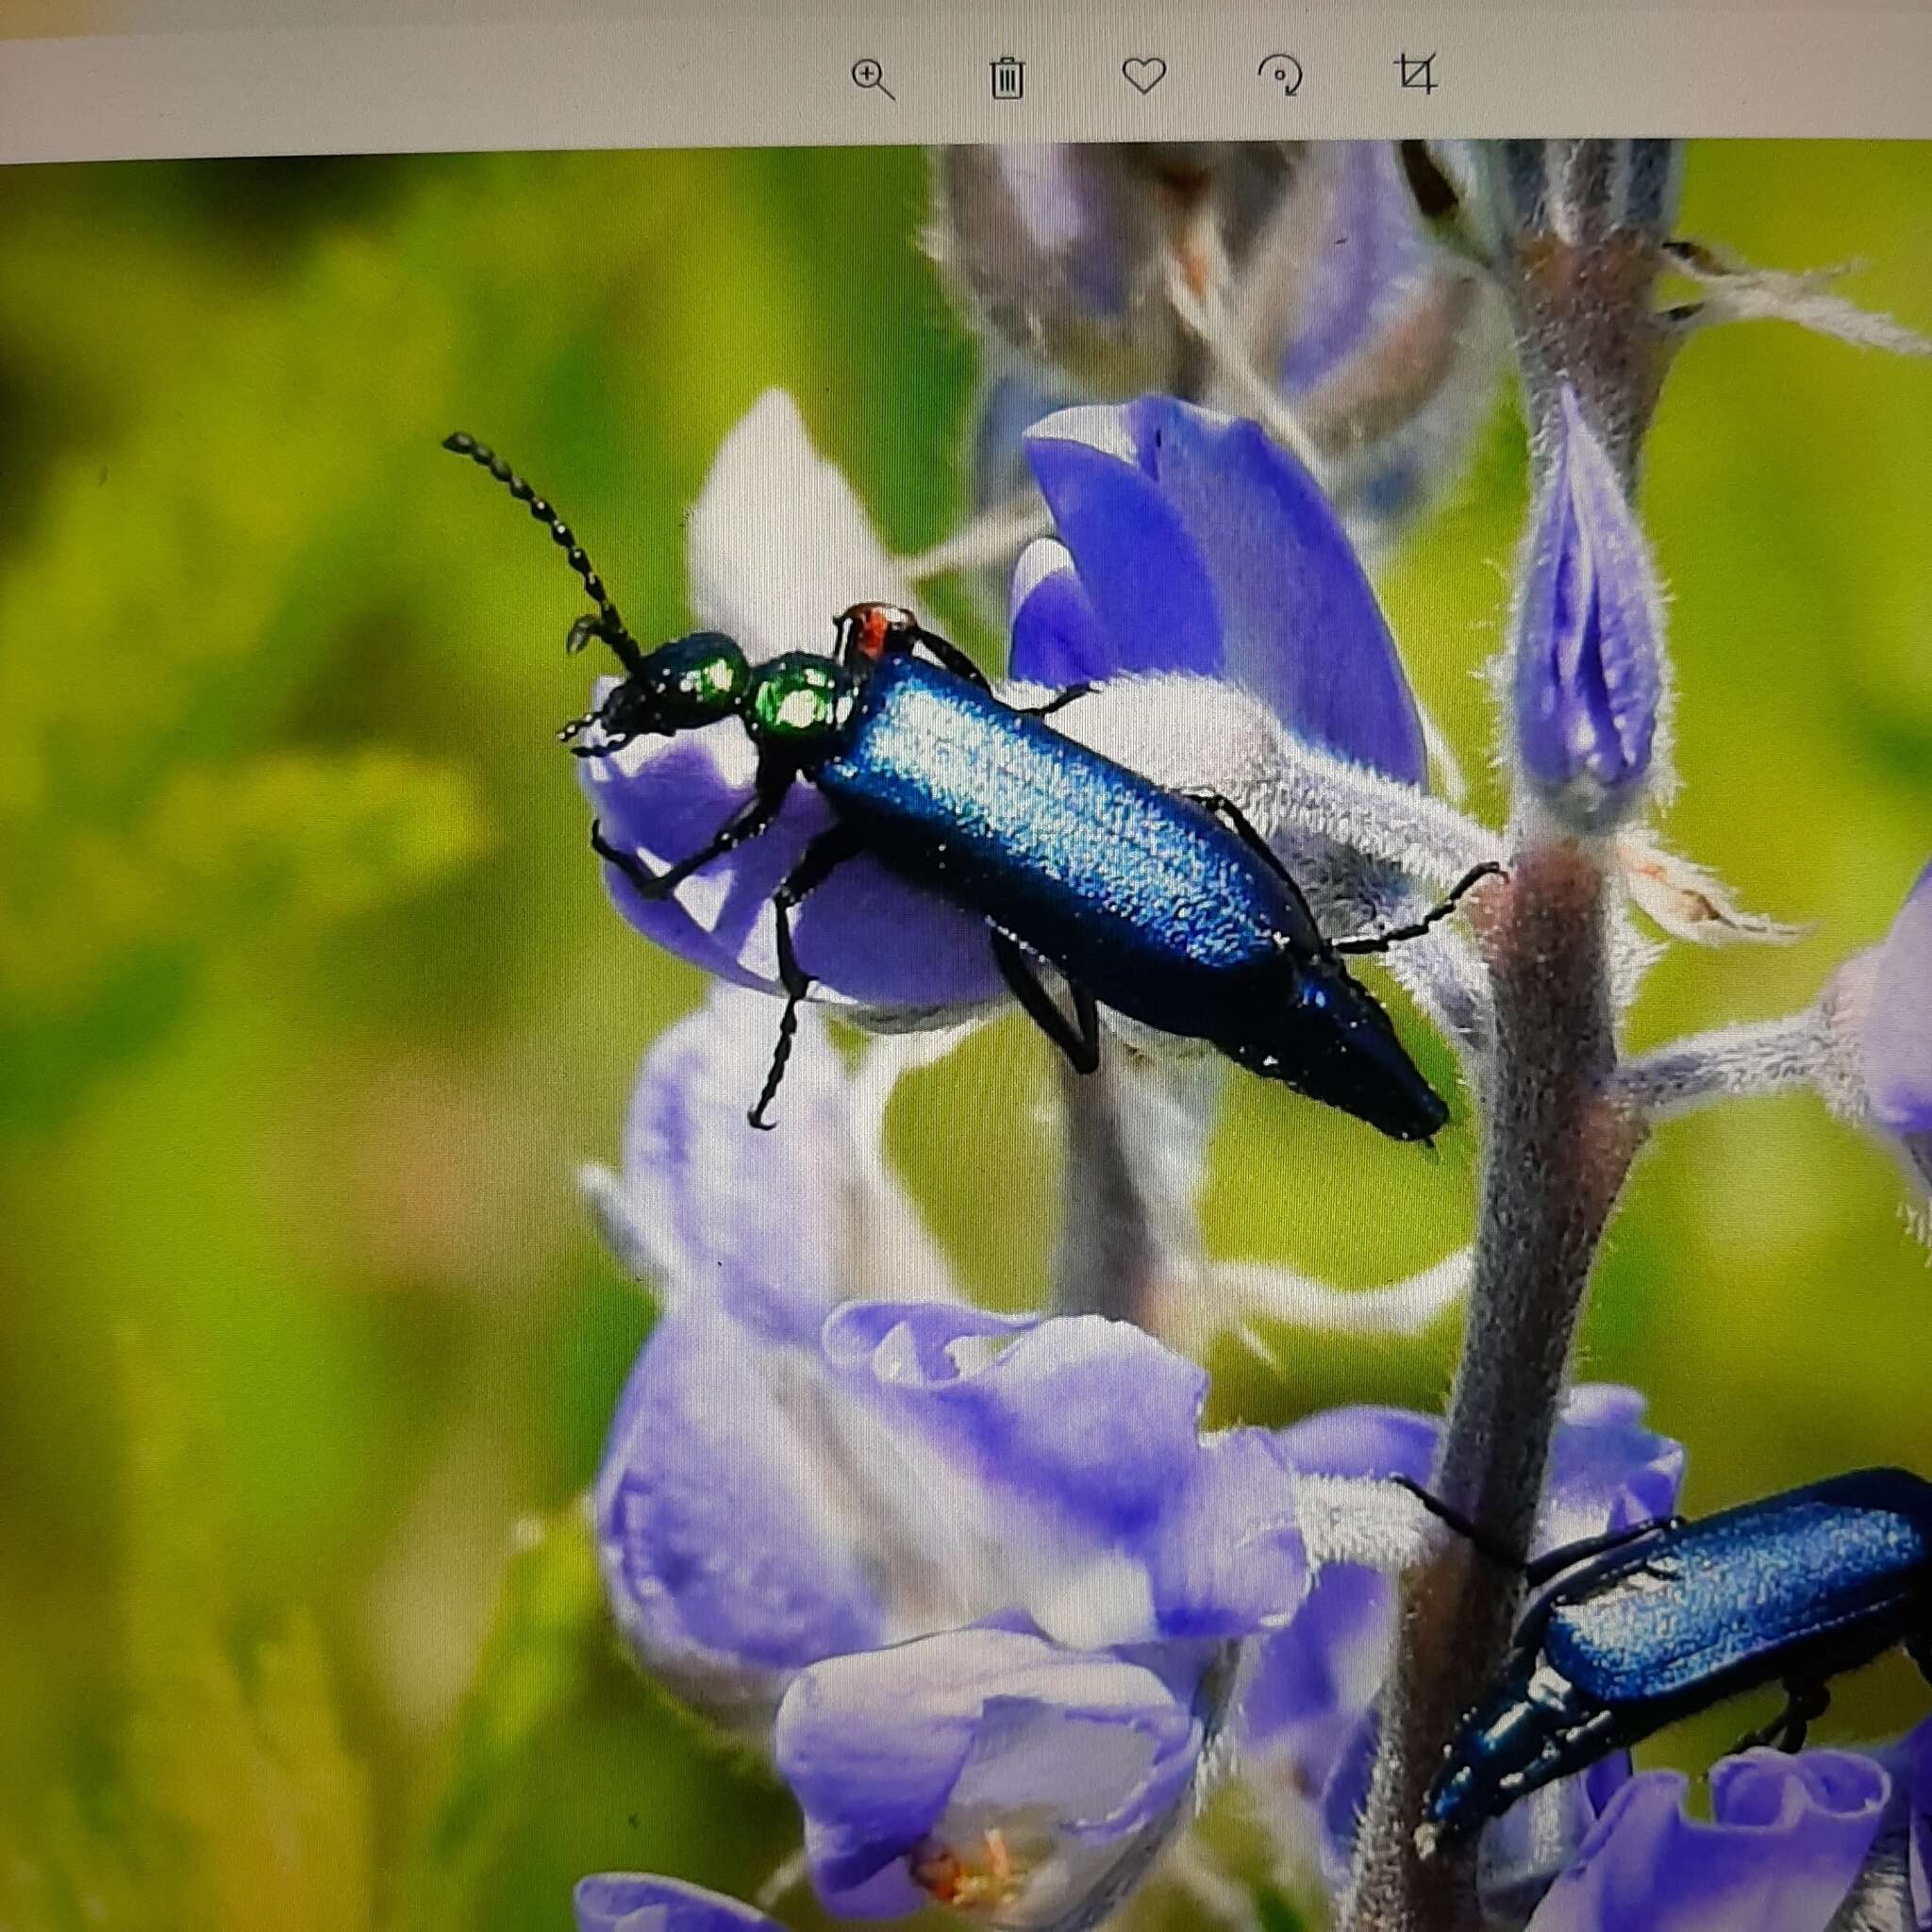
(1587,644)
(787,1478)
(1393,350)
(1892,1023)
(1166,513)
(736,1540)
(1308,1729)
(1786,1837)
(1066,250)
(992,1771)
(1078,1456)
(642,1901)
(1189,542)
(1317,284)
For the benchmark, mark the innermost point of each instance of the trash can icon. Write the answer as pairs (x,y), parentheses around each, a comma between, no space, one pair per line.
(1009,77)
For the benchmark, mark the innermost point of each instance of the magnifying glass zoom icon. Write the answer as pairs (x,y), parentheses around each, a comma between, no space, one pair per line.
(868,73)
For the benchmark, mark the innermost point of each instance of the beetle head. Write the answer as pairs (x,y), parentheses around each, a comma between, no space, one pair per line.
(691,681)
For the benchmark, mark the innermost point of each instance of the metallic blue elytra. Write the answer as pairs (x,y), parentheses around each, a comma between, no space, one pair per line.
(1168,908)
(1145,900)
(1672,1618)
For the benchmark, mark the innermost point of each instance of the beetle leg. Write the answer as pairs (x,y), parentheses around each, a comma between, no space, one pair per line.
(1539,1570)
(774,782)
(641,875)
(949,657)
(1232,816)
(1469,1530)
(1381,942)
(822,857)
(1803,1705)
(1060,700)
(1080,1042)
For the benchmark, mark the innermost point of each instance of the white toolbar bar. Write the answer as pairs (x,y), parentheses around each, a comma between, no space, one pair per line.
(737,78)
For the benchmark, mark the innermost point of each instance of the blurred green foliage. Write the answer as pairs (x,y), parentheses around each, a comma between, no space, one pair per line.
(309,1001)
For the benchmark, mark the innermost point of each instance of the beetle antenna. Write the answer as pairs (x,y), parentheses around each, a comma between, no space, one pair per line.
(607,624)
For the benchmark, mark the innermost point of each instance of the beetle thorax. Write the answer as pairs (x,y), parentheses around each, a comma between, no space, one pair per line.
(800,700)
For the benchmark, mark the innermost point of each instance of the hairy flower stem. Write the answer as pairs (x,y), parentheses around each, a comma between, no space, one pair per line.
(1135,1146)
(1582,228)
(1558,1149)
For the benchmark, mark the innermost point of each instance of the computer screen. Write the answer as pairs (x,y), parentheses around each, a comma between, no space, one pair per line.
(965,962)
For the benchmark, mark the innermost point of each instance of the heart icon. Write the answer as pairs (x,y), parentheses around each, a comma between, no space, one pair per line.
(1144,75)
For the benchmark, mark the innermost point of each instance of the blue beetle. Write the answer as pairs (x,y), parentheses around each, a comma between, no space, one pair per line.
(1169,907)
(1652,1624)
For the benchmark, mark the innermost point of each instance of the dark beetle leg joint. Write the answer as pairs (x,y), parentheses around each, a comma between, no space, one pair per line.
(1805,1704)
(648,883)
(1470,1531)
(1080,1042)
(822,857)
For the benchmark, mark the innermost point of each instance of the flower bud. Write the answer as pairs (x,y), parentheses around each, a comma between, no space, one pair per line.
(1588,637)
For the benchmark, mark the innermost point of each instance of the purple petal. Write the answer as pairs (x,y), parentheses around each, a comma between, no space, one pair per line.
(1073,1437)
(1311,1682)
(1364,1440)
(1895,1040)
(1786,1838)
(640,1902)
(1142,572)
(1588,636)
(1345,1797)
(1538,1839)
(986,1755)
(1364,266)
(1229,1559)
(753,1223)
(1057,639)
(727,1559)
(1077,1442)
(866,936)
(1203,547)
(1079,1413)
(1606,1469)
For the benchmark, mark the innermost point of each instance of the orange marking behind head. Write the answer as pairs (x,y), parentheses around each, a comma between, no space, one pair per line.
(869,629)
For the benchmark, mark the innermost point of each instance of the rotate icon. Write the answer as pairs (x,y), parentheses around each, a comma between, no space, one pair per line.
(1285,71)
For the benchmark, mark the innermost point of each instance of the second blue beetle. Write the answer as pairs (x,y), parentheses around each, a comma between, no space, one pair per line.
(1657,1623)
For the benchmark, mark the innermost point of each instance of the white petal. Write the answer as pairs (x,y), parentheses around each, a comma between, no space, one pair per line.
(779,542)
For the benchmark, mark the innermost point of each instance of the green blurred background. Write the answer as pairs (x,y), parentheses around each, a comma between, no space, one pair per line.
(311,1002)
